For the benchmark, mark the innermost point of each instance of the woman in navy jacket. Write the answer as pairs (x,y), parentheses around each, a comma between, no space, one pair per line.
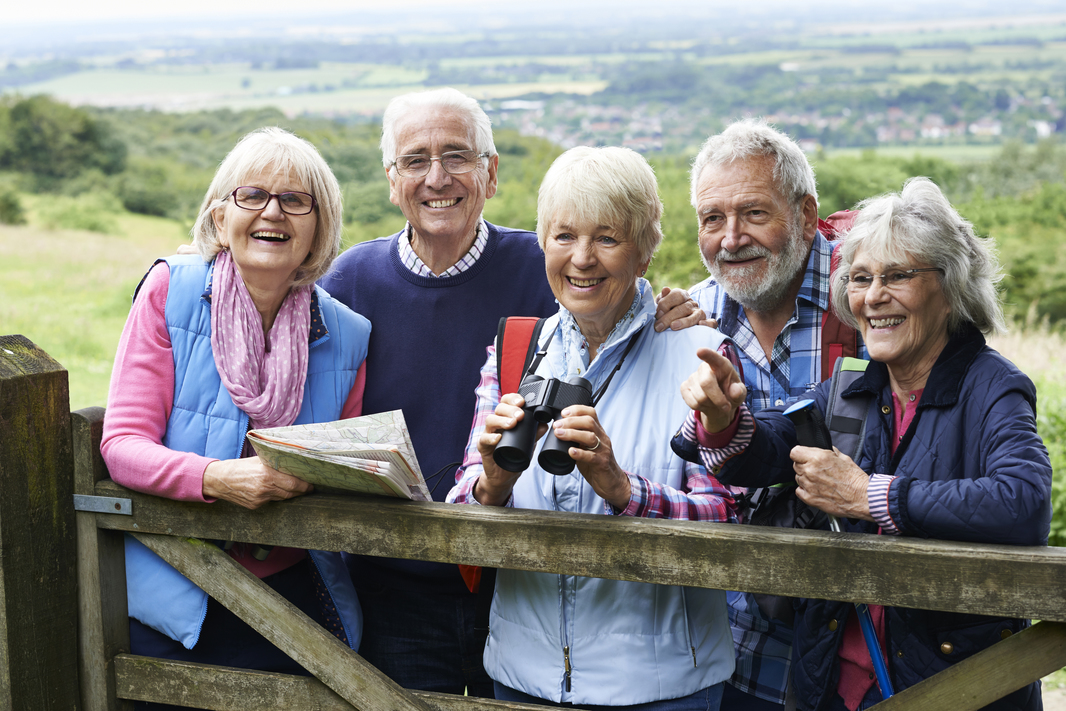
(951,449)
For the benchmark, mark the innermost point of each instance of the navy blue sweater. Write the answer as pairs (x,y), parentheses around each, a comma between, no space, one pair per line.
(429,338)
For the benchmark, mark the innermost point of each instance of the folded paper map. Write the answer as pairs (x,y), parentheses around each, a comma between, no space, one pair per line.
(371,454)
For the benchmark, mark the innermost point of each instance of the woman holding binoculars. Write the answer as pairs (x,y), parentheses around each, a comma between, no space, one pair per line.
(611,383)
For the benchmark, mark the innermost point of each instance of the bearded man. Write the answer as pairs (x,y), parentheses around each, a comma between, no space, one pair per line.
(757,206)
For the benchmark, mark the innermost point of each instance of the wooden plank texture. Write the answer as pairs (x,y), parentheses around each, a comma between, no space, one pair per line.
(907,572)
(990,674)
(103,625)
(274,617)
(38,588)
(227,689)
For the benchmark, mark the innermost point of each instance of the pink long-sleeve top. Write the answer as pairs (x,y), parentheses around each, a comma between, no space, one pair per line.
(139,402)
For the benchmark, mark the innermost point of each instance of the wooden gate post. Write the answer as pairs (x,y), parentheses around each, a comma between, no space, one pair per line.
(38,588)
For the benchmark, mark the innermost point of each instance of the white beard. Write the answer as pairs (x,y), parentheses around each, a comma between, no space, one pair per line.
(761,287)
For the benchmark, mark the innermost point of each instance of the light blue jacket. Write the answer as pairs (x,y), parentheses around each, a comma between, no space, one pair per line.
(627,643)
(205,420)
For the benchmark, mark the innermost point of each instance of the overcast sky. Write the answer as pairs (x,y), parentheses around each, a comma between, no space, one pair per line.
(60,11)
(48,11)
(34,29)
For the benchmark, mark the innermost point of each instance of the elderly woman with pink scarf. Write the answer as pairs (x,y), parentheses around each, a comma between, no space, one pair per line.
(236,337)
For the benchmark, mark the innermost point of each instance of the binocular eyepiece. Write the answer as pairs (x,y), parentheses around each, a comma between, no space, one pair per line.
(545,400)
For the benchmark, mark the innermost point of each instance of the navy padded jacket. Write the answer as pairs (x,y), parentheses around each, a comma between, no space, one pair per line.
(971,467)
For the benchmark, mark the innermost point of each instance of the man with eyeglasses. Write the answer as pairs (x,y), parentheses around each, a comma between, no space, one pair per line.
(757,211)
(435,293)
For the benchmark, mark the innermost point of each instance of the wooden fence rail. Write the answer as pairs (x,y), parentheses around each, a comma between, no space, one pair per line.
(983,579)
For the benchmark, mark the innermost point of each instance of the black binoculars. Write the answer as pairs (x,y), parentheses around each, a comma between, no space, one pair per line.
(545,399)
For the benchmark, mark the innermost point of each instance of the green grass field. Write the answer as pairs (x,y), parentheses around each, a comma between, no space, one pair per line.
(333,88)
(69,291)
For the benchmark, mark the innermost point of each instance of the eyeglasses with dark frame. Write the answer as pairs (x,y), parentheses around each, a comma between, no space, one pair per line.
(291,203)
(893,279)
(417,165)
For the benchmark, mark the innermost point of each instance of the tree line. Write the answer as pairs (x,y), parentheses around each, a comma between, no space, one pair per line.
(157,163)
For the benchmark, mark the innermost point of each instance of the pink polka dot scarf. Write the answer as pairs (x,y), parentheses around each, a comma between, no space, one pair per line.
(266,384)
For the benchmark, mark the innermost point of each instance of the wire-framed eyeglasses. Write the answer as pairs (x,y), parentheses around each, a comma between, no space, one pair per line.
(417,165)
(892,280)
(291,203)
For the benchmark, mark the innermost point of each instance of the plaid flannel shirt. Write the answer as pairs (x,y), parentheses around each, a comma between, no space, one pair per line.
(764,647)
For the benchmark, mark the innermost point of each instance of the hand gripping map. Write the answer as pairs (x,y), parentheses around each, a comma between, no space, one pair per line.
(371,454)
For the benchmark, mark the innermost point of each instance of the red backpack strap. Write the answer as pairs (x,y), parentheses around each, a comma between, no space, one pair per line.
(516,342)
(838,340)
(837,224)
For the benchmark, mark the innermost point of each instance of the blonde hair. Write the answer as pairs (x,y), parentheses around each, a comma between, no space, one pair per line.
(273,150)
(613,186)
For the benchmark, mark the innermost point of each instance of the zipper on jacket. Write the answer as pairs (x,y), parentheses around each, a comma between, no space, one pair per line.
(688,628)
(244,439)
(566,663)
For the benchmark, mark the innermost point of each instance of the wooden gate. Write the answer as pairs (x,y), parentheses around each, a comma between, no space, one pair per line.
(55,457)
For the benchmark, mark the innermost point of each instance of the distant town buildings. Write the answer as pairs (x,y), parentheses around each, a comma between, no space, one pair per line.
(570,122)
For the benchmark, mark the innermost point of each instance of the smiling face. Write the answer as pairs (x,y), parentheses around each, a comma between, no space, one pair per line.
(267,246)
(441,207)
(751,239)
(592,270)
(904,327)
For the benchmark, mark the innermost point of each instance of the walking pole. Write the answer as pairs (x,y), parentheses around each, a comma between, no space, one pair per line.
(812,432)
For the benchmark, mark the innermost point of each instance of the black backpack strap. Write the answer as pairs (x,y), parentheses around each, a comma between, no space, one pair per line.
(484,602)
(846,417)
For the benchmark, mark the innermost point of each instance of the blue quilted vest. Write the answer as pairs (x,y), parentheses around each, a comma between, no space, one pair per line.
(205,420)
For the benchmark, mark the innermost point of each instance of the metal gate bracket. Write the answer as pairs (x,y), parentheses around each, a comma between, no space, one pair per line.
(103,504)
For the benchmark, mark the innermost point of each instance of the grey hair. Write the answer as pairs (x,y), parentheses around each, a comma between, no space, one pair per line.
(750,138)
(919,223)
(611,185)
(275,151)
(446,98)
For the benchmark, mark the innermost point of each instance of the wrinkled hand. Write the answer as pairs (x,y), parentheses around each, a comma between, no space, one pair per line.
(250,483)
(676,310)
(715,391)
(580,426)
(494,486)
(830,481)
(186,249)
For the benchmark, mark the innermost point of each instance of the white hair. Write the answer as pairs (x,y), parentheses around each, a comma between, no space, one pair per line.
(919,223)
(750,138)
(446,98)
